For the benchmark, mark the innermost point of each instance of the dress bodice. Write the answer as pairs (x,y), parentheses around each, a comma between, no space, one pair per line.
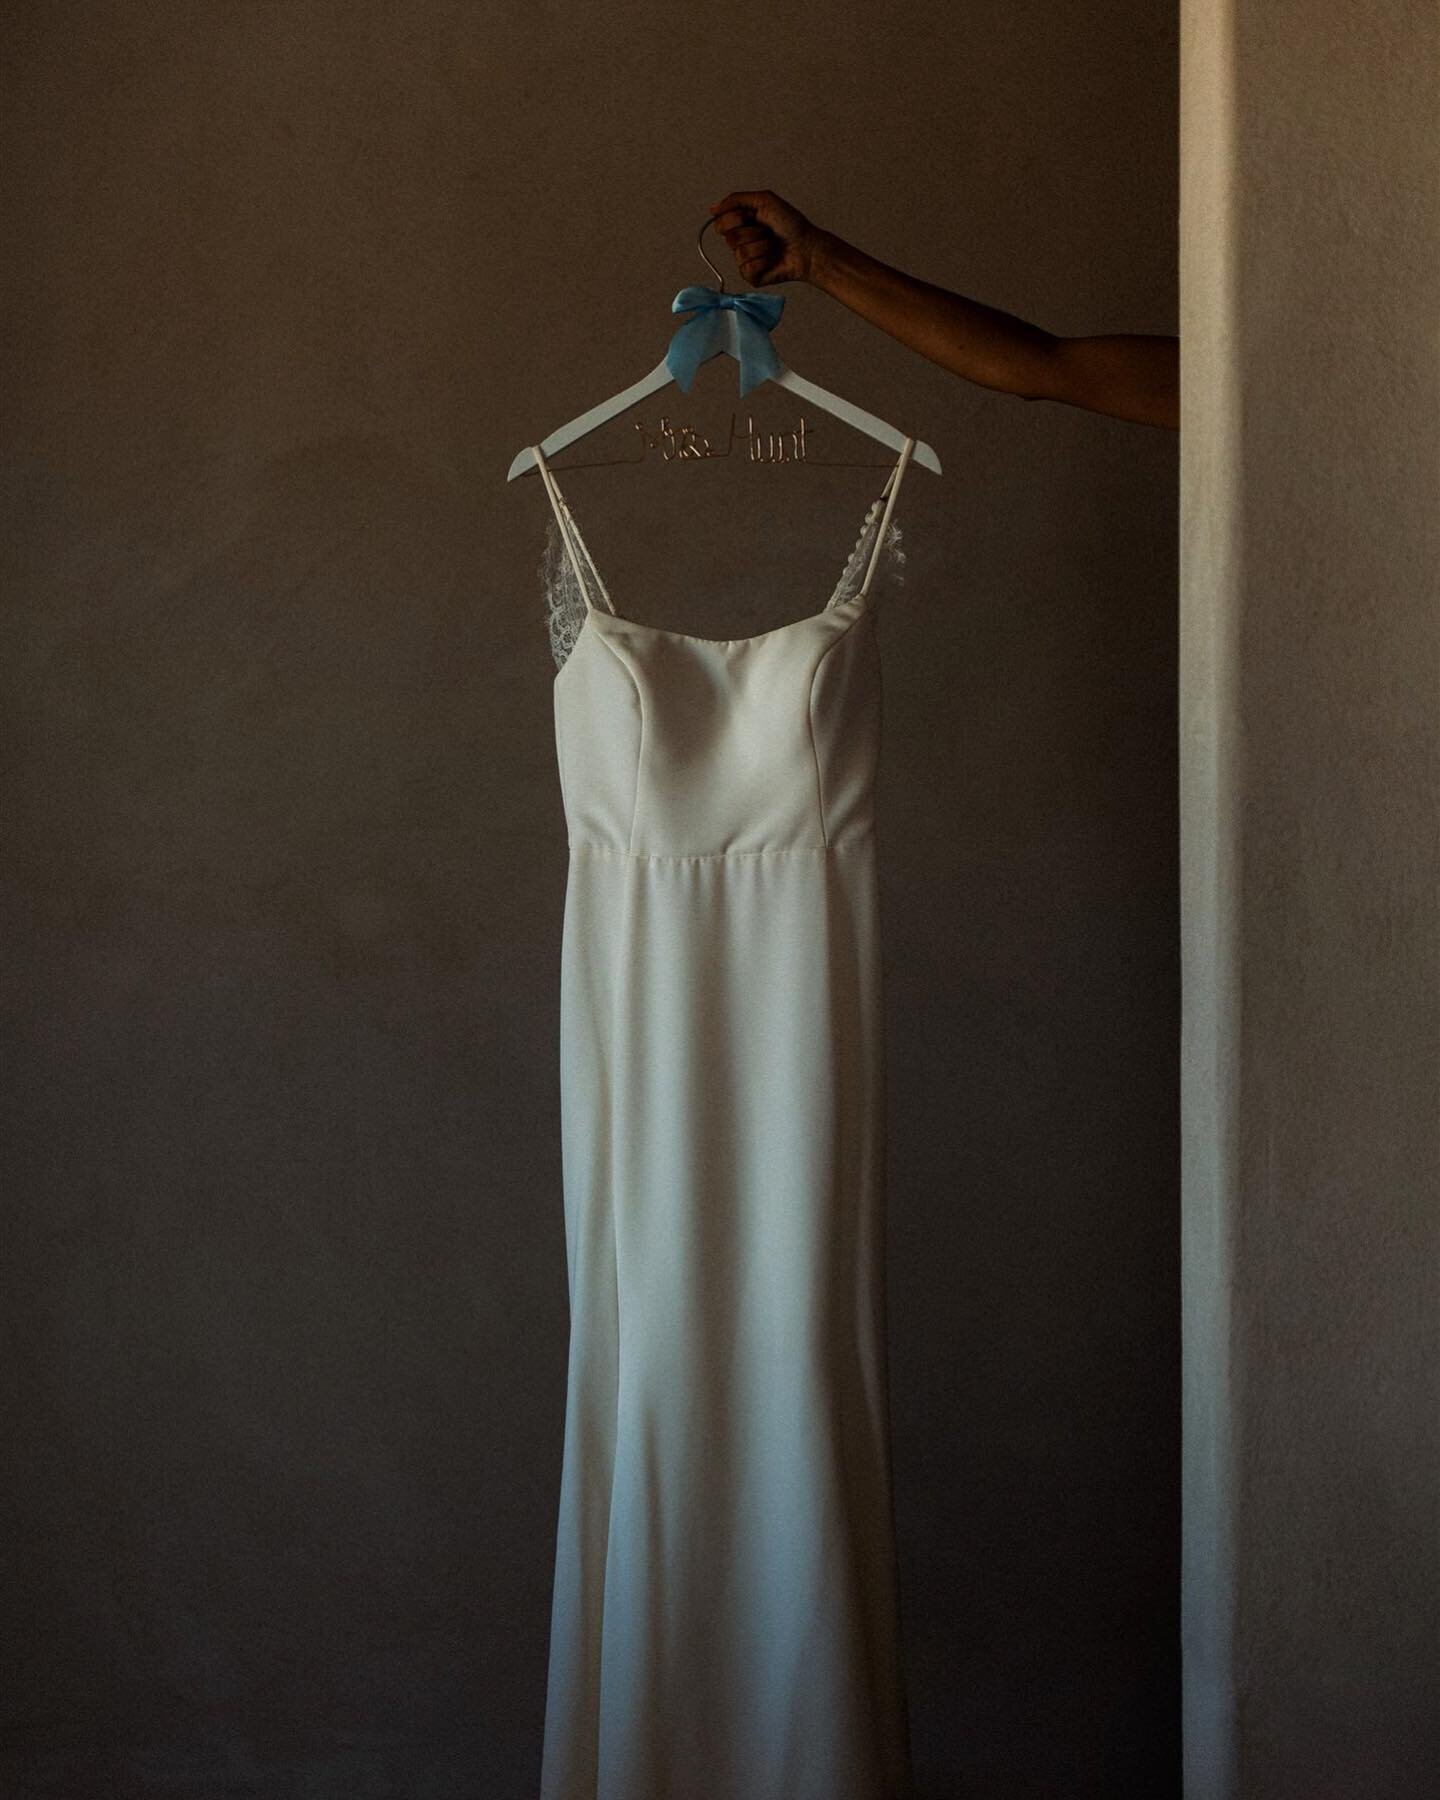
(683,746)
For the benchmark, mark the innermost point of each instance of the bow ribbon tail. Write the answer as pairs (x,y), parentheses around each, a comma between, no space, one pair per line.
(755,352)
(696,340)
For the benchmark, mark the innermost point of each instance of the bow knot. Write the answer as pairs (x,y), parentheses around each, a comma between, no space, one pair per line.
(756,316)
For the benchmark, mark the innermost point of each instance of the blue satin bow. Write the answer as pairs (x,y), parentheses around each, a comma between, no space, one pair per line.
(699,337)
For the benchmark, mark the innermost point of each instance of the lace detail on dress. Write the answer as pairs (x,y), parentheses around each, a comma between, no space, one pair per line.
(564,602)
(889,568)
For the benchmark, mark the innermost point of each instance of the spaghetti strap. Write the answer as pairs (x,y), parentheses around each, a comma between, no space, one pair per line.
(570,532)
(892,489)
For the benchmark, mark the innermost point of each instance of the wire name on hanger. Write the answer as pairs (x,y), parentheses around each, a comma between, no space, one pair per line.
(684,443)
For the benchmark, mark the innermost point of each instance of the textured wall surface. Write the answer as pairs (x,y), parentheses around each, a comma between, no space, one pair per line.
(287,287)
(1310,730)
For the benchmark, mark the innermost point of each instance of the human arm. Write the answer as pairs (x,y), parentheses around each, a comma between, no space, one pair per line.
(1127,375)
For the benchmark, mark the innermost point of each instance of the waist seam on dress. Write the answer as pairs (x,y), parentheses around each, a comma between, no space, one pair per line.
(611,853)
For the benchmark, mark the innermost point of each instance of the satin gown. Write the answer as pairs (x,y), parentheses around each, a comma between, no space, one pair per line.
(725,1621)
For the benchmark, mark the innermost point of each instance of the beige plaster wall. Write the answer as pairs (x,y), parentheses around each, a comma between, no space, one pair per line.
(1310,731)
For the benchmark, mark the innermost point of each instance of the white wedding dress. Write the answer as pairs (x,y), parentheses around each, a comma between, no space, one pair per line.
(725,1621)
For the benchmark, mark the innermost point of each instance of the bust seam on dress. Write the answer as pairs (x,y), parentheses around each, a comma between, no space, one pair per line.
(560,763)
(639,688)
(810,733)
(839,638)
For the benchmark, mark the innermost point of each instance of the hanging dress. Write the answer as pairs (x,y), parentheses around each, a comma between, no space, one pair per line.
(725,1618)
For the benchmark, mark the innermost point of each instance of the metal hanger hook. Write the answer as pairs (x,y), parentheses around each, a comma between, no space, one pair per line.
(720,272)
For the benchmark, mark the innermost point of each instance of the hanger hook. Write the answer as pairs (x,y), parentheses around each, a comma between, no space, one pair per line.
(720,272)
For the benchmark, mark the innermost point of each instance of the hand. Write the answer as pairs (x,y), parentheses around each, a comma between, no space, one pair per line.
(771,240)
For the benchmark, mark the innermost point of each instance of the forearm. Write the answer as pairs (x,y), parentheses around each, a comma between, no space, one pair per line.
(978,342)
(1126,375)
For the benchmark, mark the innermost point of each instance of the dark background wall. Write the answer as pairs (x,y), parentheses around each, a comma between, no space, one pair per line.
(287,287)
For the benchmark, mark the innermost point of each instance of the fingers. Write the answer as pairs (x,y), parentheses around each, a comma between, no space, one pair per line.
(761,250)
(735,207)
(747,197)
